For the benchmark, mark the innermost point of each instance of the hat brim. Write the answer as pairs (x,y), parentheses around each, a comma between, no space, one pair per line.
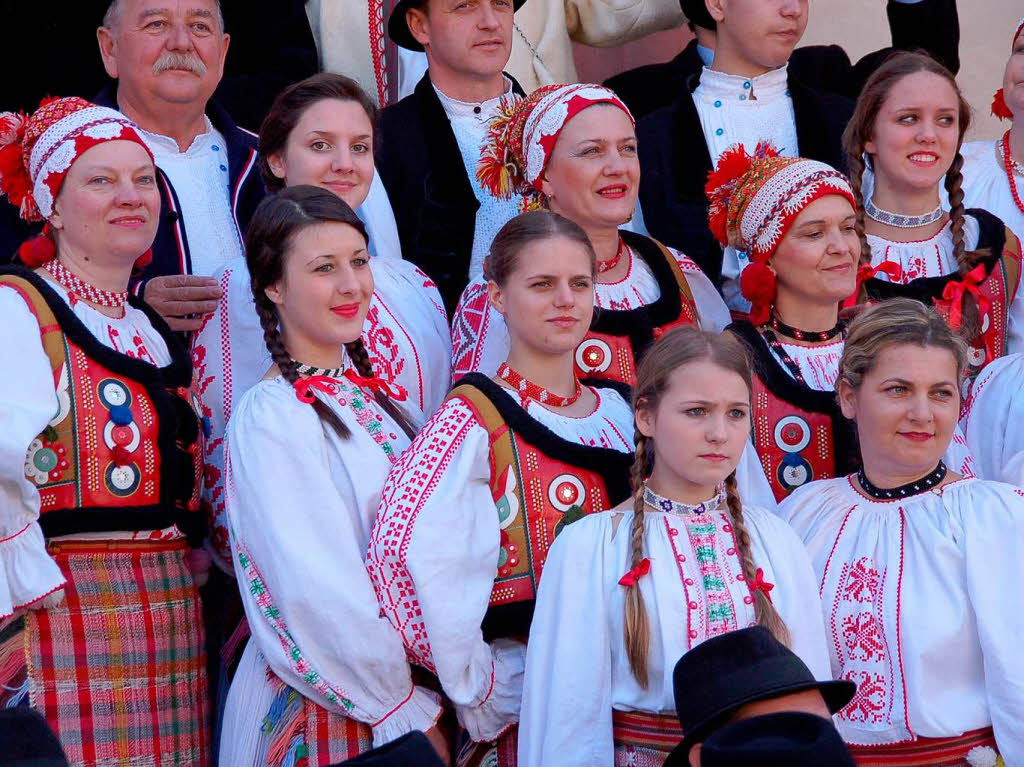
(837,693)
(398,28)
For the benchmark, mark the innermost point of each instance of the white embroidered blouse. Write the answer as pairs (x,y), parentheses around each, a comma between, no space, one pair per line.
(986,185)
(434,553)
(934,258)
(921,607)
(577,668)
(301,502)
(28,400)
(405,333)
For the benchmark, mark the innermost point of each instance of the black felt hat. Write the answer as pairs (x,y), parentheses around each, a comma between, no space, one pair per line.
(714,679)
(413,748)
(398,27)
(26,740)
(697,13)
(788,739)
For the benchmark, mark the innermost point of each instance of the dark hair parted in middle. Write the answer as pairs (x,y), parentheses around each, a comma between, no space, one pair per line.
(292,103)
(278,218)
(525,229)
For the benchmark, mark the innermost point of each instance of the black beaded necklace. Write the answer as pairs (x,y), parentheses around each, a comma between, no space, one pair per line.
(806,335)
(903,491)
(780,351)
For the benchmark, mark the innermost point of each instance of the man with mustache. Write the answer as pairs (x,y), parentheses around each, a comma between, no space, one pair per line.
(168,57)
(747,95)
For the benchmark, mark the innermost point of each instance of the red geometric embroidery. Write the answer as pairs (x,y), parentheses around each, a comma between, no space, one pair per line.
(469,329)
(869,701)
(863,637)
(862,582)
(380,343)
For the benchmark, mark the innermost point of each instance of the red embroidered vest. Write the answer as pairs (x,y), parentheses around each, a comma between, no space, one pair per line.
(124,449)
(540,483)
(618,337)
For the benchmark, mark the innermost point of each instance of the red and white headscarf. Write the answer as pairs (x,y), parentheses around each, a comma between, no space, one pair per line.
(36,152)
(520,140)
(999,108)
(754,199)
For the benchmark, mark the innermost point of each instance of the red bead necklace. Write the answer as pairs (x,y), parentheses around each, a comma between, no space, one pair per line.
(81,289)
(611,263)
(1009,164)
(530,390)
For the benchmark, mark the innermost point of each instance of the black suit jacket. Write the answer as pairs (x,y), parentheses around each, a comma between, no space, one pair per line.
(931,25)
(675,162)
(421,167)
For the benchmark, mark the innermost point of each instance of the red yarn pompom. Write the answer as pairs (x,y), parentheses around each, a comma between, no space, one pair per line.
(999,108)
(757,284)
(37,251)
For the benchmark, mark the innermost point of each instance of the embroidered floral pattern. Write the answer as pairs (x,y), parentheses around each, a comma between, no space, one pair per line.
(720,611)
(296,660)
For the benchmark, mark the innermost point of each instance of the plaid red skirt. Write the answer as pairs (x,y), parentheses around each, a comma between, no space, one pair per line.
(926,752)
(644,740)
(297,728)
(119,669)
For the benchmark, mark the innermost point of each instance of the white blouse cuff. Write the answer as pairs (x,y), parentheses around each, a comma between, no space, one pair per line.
(27,572)
(419,711)
(499,710)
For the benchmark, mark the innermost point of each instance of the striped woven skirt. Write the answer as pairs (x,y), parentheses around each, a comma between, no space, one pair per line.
(932,752)
(119,669)
(500,753)
(269,724)
(644,740)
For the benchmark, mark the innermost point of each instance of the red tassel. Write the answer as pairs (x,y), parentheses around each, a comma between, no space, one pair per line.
(758,286)
(999,108)
(38,250)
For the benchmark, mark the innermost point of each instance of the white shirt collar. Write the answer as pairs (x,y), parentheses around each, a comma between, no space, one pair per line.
(463,110)
(165,145)
(770,85)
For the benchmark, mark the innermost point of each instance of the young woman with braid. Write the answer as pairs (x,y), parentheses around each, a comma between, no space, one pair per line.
(324,675)
(795,220)
(628,591)
(907,129)
(503,467)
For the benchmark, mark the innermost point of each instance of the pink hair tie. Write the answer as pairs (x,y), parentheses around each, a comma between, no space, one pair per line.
(642,568)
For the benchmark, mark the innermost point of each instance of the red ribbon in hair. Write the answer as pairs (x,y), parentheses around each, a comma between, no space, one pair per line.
(373,383)
(954,293)
(304,387)
(867,272)
(760,584)
(642,568)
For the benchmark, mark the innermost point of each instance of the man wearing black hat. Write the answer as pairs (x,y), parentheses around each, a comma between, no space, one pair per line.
(756,697)
(430,141)
(931,25)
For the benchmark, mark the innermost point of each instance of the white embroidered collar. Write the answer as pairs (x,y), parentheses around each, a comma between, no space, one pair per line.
(769,86)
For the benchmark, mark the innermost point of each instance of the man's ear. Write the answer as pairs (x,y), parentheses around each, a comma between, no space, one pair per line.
(108,50)
(695,755)
(717,9)
(419,26)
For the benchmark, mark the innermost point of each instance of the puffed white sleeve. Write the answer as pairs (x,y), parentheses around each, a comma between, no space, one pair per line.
(714,314)
(480,339)
(433,557)
(992,524)
(795,595)
(299,563)
(567,695)
(28,400)
(994,421)
(604,23)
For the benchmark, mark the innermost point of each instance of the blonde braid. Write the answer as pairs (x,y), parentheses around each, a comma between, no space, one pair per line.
(767,615)
(636,628)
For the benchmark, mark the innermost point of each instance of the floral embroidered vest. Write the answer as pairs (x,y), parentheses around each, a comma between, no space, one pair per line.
(799,433)
(617,338)
(540,483)
(124,449)
(1000,277)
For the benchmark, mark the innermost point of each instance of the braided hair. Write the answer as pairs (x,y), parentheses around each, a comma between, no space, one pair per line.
(679,347)
(859,132)
(278,218)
